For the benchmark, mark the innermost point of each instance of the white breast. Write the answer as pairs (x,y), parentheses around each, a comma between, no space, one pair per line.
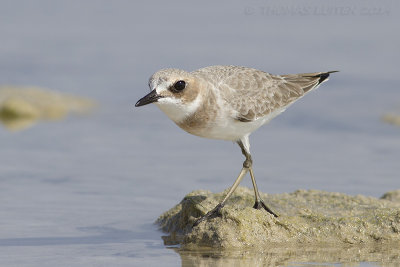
(228,128)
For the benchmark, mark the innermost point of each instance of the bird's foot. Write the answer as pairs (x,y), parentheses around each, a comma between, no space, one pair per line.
(260,205)
(215,212)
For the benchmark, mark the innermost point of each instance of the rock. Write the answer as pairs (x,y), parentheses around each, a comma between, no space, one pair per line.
(22,107)
(14,107)
(392,196)
(392,118)
(308,217)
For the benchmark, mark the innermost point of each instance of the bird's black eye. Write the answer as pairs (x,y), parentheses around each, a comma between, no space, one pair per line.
(179,85)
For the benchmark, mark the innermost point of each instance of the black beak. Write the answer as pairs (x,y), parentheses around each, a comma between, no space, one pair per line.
(149,98)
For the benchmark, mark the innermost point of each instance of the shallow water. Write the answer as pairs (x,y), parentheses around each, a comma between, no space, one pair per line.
(86,191)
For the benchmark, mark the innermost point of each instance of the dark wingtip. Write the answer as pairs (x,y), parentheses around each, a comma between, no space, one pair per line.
(323,76)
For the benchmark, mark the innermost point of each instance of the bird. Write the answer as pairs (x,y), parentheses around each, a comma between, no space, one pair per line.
(228,103)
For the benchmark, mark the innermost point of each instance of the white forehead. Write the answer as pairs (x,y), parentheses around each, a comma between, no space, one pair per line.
(163,79)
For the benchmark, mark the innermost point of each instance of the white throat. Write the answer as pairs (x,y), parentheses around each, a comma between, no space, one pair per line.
(176,109)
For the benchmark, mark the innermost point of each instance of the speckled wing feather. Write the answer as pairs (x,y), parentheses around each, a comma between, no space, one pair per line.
(254,94)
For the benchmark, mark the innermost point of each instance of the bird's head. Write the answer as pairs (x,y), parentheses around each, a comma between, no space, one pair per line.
(176,92)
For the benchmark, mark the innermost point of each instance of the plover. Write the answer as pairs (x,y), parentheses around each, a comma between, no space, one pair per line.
(228,103)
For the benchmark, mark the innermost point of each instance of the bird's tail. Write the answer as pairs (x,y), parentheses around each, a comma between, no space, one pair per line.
(322,76)
(308,81)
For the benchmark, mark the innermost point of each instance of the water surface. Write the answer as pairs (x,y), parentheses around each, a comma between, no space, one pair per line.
(86,191)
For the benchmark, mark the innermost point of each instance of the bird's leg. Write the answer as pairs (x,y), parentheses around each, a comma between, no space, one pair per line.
(216,211)
(259,203)
(256,193)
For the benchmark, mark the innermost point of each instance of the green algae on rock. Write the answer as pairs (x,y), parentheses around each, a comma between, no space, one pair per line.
(22,107)
(309,217)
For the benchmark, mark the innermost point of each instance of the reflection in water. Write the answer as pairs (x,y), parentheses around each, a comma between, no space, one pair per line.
(383,255)
(20,108)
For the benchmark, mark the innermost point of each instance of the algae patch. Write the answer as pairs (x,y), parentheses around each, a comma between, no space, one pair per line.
(308,217)
(22,107)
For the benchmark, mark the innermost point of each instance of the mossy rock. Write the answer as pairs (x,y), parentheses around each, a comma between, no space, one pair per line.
(308,217)
(22,107)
